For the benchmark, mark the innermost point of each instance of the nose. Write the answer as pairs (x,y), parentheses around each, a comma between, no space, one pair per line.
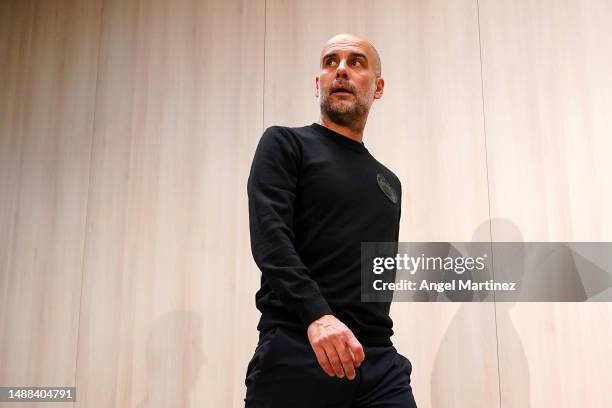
(341,70)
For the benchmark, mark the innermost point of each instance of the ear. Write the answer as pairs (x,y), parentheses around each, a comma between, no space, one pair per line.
(380,85)
(317,86)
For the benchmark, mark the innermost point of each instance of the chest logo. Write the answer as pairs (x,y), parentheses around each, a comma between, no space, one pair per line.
(386,188)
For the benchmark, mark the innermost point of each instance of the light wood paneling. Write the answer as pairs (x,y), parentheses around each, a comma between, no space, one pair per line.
(548,93)
(547,97)
(167,290)
(428,128)
(48,57)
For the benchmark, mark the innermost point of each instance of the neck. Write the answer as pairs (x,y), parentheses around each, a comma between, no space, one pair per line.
(353,131)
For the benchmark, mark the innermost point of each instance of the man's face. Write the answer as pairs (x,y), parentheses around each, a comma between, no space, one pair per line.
(348,82)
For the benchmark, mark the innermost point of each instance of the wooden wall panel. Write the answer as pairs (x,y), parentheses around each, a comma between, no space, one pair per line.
(168,291)
(547,97)
(428,128)
(48,54)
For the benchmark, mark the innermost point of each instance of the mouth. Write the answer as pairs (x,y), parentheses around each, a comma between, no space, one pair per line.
(341,91)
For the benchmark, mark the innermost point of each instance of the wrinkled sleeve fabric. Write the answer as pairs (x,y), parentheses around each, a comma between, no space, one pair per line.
(272,190)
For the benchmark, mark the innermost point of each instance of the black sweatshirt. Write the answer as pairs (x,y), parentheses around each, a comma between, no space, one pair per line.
(314,196)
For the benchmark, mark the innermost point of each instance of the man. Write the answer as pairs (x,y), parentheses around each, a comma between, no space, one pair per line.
(315,193)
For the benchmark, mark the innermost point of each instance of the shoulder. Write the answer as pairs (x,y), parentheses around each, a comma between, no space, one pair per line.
(278,132)
(284,142)
(286,137)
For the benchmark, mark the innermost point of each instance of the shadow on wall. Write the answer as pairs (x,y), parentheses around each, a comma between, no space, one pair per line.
(475,370)
(174,356)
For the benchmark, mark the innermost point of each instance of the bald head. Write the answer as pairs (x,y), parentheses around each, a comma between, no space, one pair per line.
(352,39)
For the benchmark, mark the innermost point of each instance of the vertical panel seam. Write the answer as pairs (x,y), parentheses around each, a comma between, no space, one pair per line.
(484,128)
(263,94)
(91,148)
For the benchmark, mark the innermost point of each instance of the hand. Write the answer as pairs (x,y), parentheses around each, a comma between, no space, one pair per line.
(336,347)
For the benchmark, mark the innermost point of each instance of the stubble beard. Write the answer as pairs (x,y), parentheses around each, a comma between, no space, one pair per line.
(342,113)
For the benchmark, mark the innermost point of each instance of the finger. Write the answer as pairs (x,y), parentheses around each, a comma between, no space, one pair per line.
(356,363)
(323,360)
(345,359)
(334,359)
(357,350)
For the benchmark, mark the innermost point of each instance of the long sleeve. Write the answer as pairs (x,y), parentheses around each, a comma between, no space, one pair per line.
(399,215)
(272,189)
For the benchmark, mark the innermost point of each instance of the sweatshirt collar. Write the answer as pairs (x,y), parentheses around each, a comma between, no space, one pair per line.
(339,137)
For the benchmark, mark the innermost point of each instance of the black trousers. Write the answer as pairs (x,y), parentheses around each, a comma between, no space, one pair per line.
(284,373)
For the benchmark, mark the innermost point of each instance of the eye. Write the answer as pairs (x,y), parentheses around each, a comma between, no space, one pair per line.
(356,63)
